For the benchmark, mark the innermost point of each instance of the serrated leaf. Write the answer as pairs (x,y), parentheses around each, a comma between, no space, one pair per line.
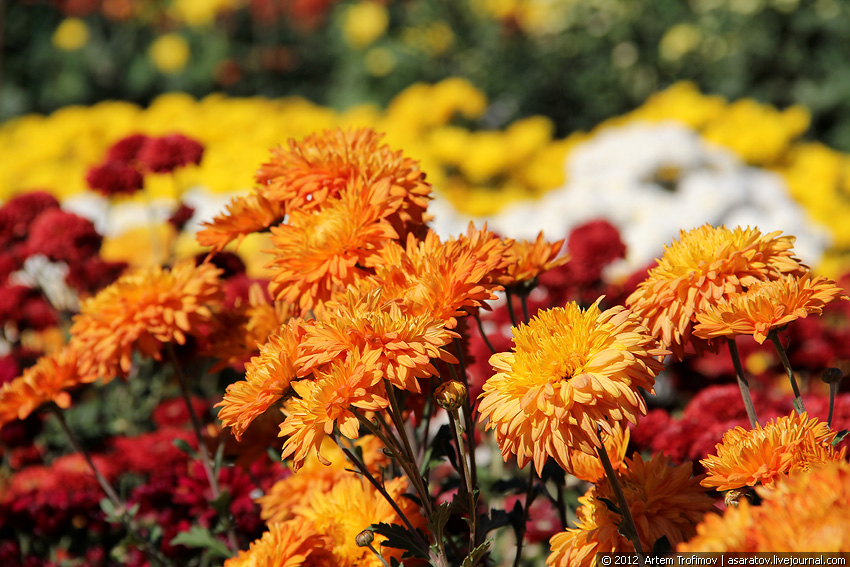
(438,520)
(477,554)
(201,538)
(839,437)
(399,537)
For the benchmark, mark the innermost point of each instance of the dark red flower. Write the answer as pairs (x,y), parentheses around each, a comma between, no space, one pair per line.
(127,149)
(173,412)
(115,178)
(17,214)
(165,154)
(93,274)
(181,216)
(63,237)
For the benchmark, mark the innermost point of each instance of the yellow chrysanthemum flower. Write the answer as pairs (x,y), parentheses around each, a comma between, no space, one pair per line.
(767,454)
(766,306)
(363,23)
(704,266)
(141,311)
(170,53)
(282,499)
(807,512)
(571,371)
(665,501)
(71,34)
(295,543)
(351,506)
(589,467)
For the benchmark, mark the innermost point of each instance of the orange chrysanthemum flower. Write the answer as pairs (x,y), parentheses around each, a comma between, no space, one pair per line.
(48,380)
(351,506)
(321,253)
(287,544)
(589,467)
(665,501)
(141,311)
(319,167)
(239,333)
(268,378)
(570,372)
(444,279)
(807,512)
(244,215)
(527,260)
(766,454)
(326,402)
(406,343)
(280,502)
(704,266)
(766,306)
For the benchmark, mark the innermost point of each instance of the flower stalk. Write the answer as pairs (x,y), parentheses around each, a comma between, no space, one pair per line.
(783,356)
(742,382)
(631,528)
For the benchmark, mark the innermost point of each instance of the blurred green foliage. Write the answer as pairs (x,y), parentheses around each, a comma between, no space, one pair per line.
(576,61)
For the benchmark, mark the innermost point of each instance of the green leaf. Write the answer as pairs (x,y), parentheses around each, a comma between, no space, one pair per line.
(185,447)
(438,520)
(839,437)
(222,503)
(477,554)
(219,456)
(499,519)
(399,537)
(201,538)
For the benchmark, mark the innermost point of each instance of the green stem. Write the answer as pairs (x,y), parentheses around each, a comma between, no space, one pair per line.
(206,460)
(523,300)
(117,503)
(483,334)
(529,499)
(380,488)
(621,498)
(832,389)
(467,414)
(742,382)
(798,399)
(378,555)
(510,306)
(466,478)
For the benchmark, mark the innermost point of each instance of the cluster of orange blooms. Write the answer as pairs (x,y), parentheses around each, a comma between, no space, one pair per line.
(368,305)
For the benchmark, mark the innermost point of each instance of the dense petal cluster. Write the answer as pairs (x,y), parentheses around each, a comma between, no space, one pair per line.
(570,372)
(707,264)
(327,402)
(766,306)
(589,467)
(244,215)
(665,501)
(406,343)
(320,253)
(49,380)
(445,279)
(319,167)
(767,454)
(527,260)
(268,378)
(141,311)
(286,544)
(808,511)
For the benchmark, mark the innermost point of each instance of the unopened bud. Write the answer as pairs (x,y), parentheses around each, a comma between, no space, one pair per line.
(736,495)
(451,395)
(832,375)
(364,538)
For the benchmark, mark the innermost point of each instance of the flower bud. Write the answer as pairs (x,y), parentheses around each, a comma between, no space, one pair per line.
(832,375)
(451,395)
(736,495)
(364,538)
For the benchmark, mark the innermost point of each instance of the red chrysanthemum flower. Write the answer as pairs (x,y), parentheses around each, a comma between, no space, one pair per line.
(126,150)
(17,214)
(63,237)
(115,178)
(167,153)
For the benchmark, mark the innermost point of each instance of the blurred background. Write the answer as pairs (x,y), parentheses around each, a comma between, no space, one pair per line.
(504,103)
